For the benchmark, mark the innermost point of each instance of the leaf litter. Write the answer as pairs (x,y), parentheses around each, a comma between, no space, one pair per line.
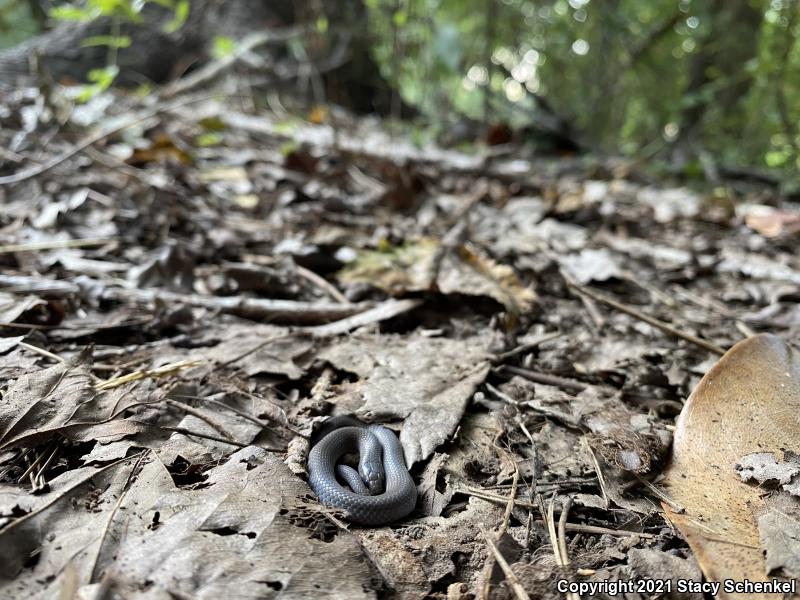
(173,326)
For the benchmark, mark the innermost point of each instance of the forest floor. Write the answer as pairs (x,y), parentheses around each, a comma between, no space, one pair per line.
(184,294)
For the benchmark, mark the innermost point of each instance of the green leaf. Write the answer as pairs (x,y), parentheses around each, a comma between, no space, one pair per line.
(223,46)
(400,17)
(211,138)
(179,18)
(112,41)
(103,77)
(73,13)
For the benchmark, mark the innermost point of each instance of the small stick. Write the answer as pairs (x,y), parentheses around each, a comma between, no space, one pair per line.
(93,139)
(456,234)
(54,245)
(562,530)
(598,471)
(200,415)
(322,283)
(42,352)
(46,465)
(593,311)
(503,356)
(569,385)
(511,498)
(241,413)
(163,371)
(658,324)
(33,465)
(594,529)
(56,497)
(551,529)
(661,495)
(383,311)
(519,591)
(214,438)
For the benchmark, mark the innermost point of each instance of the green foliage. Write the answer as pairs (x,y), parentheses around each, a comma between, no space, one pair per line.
(119,12)
(17,22)
(99,81)
(223,46)
(624,72)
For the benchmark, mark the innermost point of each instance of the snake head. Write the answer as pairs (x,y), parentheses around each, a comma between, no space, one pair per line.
(372,474)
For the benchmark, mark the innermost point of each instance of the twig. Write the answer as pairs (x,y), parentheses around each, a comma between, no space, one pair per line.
(213,69)
(598,471)
(202,416)
(594,313)
(322,284)
(249,308)
(56,498)
(533,490)
(236,411)
(562,530)
(22,284)
(110,519)
(40,475)
(207,436)
(256,348)
(41,351)
(569,385)
(385,310)
(164,371)
(503,356)
(519,591)
(511,497)
(633,312)
(35,463)
(456,234)
(93,139)
(661,495)
(55,244)
(594,529)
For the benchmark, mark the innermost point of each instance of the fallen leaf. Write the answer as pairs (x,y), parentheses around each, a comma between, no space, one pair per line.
(764,468)
(408,268)
(431,501)
(592,265)
(779,531)
(248,528)
(426,381)
(748,402)
(163,149)
(769,221)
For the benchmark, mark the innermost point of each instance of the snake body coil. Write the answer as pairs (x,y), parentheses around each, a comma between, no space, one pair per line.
(381,491)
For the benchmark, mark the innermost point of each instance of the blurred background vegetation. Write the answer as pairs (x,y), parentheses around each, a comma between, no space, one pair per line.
(668,80)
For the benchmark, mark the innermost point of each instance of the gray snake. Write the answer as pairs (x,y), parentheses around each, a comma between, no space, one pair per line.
(381,491)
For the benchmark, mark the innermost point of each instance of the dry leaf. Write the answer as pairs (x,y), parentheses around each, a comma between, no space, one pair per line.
(408,268)
(748,402)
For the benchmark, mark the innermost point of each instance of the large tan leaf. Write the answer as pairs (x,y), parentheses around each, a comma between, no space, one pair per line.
(748,402)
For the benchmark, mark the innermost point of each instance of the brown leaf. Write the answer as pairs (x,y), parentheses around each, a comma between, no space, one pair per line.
(749,401)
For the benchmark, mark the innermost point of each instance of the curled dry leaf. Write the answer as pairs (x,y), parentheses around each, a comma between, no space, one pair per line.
(749,401)
(408,268)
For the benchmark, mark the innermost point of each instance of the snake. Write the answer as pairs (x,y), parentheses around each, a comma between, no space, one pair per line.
(381,491)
